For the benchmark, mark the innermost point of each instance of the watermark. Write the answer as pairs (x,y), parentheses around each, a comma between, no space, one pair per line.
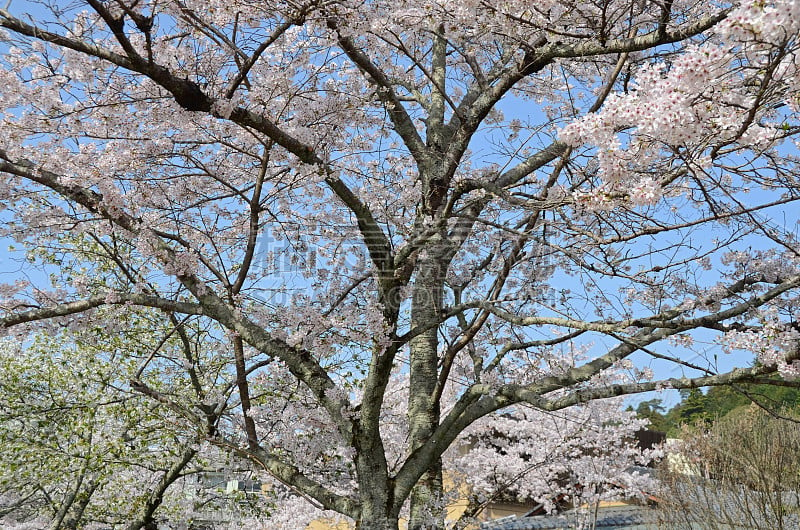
(294,259)
(294,248)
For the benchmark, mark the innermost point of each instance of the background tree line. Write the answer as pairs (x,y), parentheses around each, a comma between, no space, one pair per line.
(697,407)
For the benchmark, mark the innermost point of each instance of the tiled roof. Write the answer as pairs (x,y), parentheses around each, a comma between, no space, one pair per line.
(618,517)
(729,508)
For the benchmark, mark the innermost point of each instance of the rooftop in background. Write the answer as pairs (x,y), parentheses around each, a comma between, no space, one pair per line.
(629,517)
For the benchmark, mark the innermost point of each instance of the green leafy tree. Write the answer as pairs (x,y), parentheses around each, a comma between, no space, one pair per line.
(77,445)
(701,407)
(694,407)
(653,410)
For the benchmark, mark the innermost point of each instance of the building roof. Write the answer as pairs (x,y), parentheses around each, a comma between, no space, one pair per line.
(630,517)
(727,508)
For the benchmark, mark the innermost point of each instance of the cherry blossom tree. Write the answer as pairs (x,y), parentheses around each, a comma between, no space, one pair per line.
(78,448)
(510,204)
(587,453)
(582,455)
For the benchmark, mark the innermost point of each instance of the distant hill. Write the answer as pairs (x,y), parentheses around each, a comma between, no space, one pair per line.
(697,406)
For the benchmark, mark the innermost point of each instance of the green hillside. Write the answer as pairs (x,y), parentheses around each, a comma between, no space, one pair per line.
(697,406)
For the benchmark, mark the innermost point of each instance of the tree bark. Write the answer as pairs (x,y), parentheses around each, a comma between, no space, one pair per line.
(378,522)
(71,512)
(156,498)
(423,408)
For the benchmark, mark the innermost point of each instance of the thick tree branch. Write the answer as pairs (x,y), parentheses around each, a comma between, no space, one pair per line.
(189,95)
(283,471)
(478,101)
(81,306)
(156,495)
(737,375)
(404,126)
(294,478)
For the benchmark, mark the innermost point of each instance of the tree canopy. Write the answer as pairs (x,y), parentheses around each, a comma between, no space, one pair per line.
(702,409)
(301,203)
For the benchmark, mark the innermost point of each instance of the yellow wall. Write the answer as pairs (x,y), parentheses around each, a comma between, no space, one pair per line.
(327,524)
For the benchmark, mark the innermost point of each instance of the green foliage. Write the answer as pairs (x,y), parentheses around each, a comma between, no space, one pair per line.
(73,430)
(698,407)
(653,411)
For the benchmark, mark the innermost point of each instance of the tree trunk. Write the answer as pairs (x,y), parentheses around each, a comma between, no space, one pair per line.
(145,518)
(375,497)
(423,410)
(378,522)
(78,503)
